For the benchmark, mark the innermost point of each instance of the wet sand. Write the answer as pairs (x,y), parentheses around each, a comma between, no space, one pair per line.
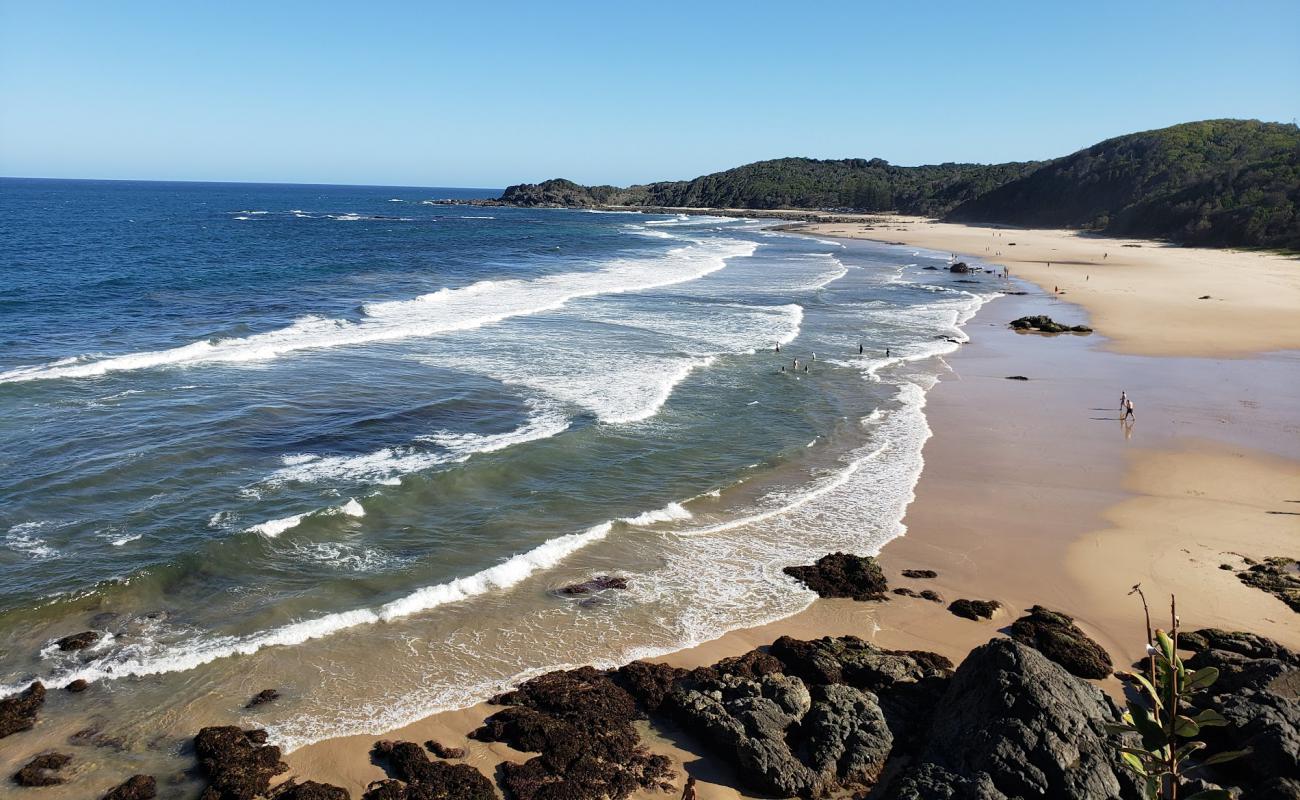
(1035,492)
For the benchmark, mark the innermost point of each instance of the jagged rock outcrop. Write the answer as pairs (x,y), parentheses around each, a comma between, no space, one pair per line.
(138,787)
(648,683)
(974,609)
(18,712)
(789,740)
(843,575)
(1276,575)
(418,778)
(1056,636)
(581,722)
(239,764)
(1014,724)
(1258,691)
(1045,324)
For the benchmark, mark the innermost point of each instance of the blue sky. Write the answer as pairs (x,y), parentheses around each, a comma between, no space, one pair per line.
(486,94)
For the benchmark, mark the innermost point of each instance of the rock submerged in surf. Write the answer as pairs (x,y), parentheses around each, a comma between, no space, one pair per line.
(42,770)
(18,712)
(843,575)
(596,584)
(263,697)
(77,641)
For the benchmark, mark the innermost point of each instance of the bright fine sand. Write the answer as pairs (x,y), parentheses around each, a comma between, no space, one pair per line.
(1034,491)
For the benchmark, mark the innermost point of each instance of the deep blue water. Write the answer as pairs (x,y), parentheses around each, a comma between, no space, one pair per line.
(245,426)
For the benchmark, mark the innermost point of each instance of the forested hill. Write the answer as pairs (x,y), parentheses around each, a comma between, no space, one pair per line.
(1217,182)
(851,183)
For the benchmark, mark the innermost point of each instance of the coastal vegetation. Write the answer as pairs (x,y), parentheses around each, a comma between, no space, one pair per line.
(1212,183)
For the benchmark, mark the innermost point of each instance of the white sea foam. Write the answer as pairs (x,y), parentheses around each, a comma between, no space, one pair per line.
(149,658)
(275,527)
(23,538)
(291,459)
(442,311)
(670,513)
(125,539)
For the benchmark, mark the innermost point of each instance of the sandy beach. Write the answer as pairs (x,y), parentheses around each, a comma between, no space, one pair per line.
(1034,491)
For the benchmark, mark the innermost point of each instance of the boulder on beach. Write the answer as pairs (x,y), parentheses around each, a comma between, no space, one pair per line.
(239,764)
(920,573)
(1042,323)
(78,686)
(418,778)
(974,609)
(581,722)
(1014,724)
(18,712)
(1056,636)
(843,575)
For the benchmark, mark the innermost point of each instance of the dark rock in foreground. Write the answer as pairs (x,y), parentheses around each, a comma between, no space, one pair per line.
(308,790)
(263,697)
(77,687)
(1014,724)
(843,575)
(443,751)
(1276,575)
(1056,636)
(419,778)
(581,722)
(961,267)
(77,641)
(41,771)
(596,584)
(1045,324)
(1258,691)
(974,609)
(137,787)
(18,712)
(239,764)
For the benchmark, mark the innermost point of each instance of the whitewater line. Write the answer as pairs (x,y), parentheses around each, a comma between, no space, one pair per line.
(444,311)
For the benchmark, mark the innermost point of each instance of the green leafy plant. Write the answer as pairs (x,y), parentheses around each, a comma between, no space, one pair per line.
(1164,717)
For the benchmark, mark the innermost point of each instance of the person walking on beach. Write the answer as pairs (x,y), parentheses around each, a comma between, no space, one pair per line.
(1123,401)
(688,793)
(1128,410)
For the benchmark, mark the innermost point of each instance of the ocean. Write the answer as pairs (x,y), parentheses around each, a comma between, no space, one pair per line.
(349,444)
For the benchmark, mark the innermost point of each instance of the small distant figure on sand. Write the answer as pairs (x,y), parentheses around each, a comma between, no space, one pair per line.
(1128,410)
(1105,256)
(688,793)
(1123,401)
